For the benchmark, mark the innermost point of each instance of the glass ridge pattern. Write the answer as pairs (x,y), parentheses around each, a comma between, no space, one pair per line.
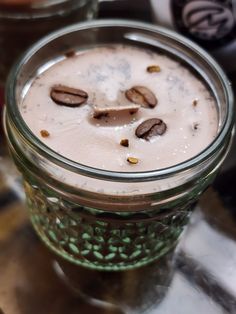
(99,239)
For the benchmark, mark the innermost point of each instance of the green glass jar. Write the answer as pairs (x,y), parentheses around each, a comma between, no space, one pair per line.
(134,218)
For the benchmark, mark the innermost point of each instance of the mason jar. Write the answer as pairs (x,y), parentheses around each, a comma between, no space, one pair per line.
(25,21)
(105,221)
(210,23)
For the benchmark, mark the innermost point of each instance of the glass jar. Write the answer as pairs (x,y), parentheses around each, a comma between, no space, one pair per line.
(210,23)
(104,220)
(24,22)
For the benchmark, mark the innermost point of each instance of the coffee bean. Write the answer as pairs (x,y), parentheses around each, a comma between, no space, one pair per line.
(141,95)
(67,96)
(153,69)
(150,128)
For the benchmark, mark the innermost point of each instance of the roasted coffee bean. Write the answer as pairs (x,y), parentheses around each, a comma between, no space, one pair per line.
(150,128)
(141,95)
(67,96)
(153,69)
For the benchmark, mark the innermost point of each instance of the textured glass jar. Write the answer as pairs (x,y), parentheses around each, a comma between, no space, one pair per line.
(109,220)
(23,22)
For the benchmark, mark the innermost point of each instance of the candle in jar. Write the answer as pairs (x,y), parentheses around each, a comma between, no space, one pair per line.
(121,108)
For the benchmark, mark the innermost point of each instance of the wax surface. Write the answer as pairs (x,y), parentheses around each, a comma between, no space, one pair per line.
(105,73)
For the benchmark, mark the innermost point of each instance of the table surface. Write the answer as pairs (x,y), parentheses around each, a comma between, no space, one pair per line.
(204,272)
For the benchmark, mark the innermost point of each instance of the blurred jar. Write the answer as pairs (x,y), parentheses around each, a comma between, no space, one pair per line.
(210,23)
(24,21)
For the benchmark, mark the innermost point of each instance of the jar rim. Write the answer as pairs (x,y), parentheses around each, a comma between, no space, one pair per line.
(14,114)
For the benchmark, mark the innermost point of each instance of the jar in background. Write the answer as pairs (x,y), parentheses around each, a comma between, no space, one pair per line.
(118,229)
(25,21)
(210,23)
